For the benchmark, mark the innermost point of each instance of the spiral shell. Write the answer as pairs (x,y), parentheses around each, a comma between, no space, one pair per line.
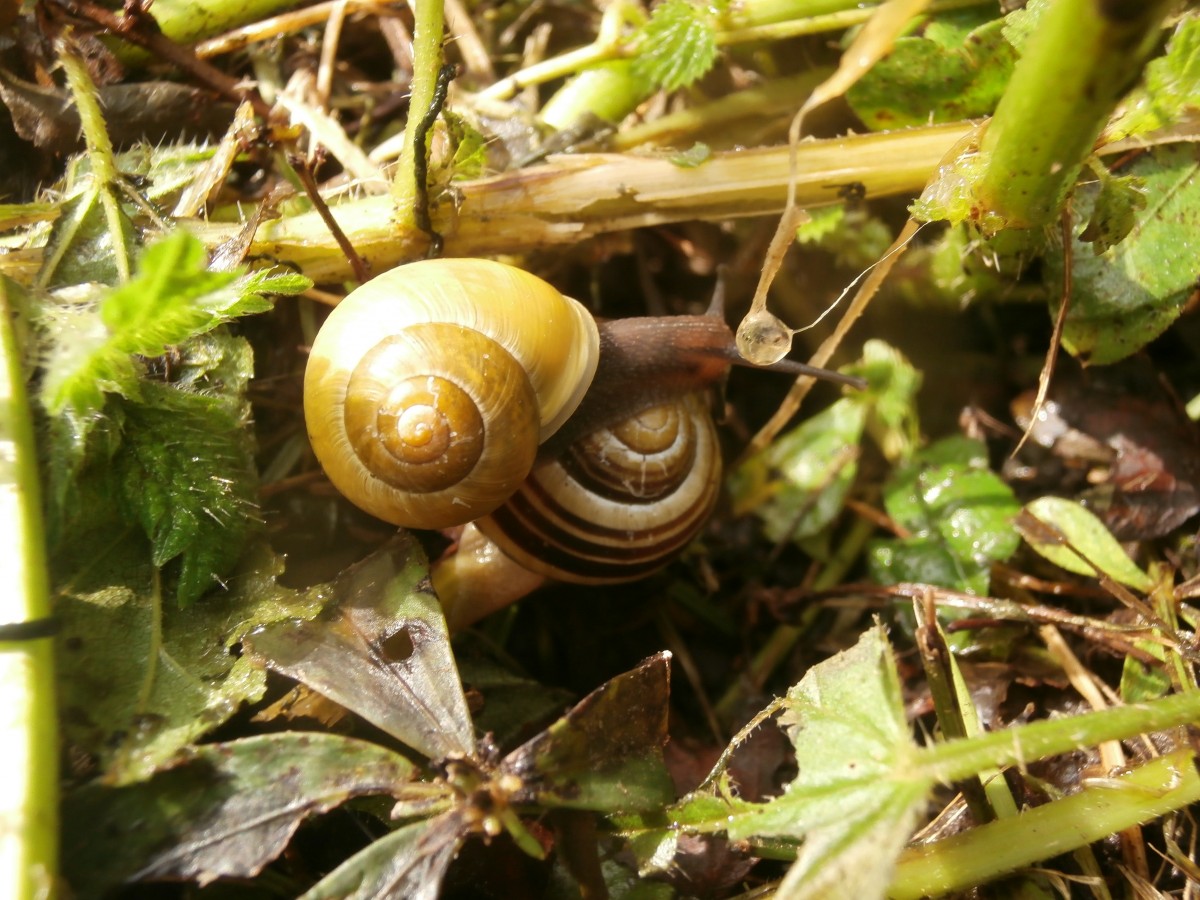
(430,387)
(619,503)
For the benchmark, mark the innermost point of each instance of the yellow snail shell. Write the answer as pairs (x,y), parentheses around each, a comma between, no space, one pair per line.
(430,387)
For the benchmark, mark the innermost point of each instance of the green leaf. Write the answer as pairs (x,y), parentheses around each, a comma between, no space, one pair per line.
(140,678)
(410,862)
(1021,23)
(173,297)
(1072,538)
(1115,213)
(187,466)
(678,44)
(959,514)
(891,397)
(696,155)
(607,752)
(858,793)
(513,702)
(380,650)
(81,249)
(951,73)
(1128,295)
(1170,86)
(798,485)
(225,810)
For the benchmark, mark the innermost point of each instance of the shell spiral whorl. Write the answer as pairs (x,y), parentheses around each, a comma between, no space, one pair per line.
(429,388)
(620,503)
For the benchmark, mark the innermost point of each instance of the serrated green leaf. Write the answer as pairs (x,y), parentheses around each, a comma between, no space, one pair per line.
(1021,23)
(678,44)
(1170,86)
(93,345)
(949,74)
(188,477)
(225,811)
(959,515)
(1125,297)
(858,793)
(1075,531)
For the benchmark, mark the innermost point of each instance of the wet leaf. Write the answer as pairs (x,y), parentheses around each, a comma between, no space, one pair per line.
(225,810)
(1128,295)
(409,863)
(140,678)
(959,515)
(957,69)
(381,650)
(1074,539)
(606,753)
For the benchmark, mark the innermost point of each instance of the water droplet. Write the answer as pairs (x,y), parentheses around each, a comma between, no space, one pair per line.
(763,339)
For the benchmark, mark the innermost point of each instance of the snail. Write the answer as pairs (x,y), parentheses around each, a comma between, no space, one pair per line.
(454,391)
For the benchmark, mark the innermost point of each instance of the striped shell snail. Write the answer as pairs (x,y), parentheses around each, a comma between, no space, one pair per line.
(463,390)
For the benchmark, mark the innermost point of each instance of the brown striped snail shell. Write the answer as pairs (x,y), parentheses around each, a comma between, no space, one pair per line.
(619,503)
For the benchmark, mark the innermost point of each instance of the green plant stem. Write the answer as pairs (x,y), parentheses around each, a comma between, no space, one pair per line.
(784,638)
(186,21)
(579,196)
(763,22)
(427,60)
(100,154)
(1014,746)
(774,98)
(1076,66)
(28,733)
(973,857)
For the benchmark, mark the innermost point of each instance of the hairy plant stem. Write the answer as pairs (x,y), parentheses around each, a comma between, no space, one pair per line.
(28,724)
(1075,68)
